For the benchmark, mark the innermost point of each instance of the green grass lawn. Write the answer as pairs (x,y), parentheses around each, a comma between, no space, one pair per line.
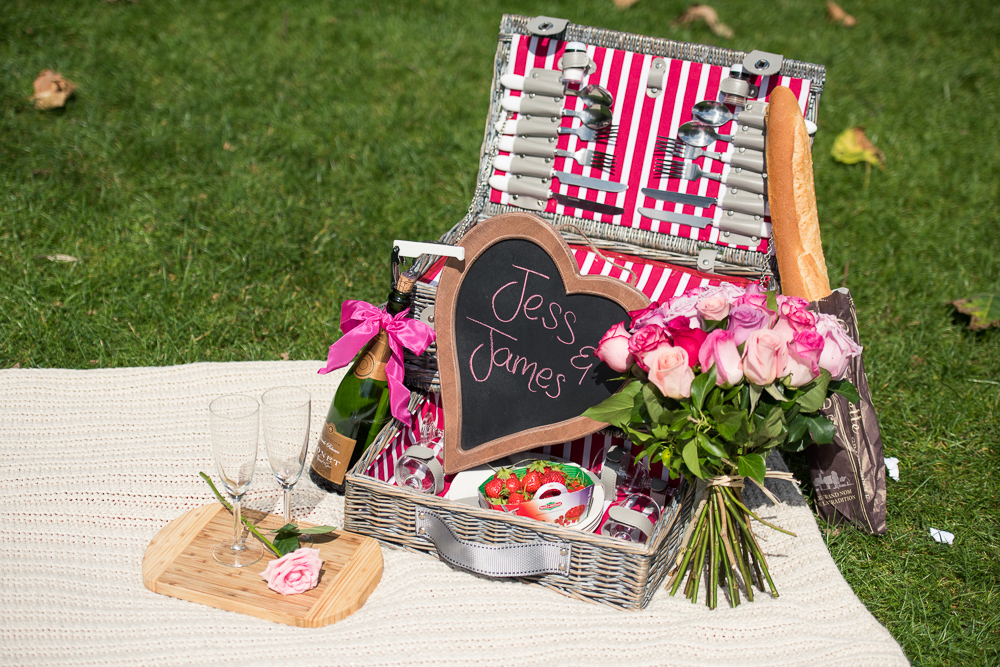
(229,172)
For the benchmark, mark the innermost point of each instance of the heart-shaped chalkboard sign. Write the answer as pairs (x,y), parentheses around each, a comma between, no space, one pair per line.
(517,326)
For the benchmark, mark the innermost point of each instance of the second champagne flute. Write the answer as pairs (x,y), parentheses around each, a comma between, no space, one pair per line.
(286,412)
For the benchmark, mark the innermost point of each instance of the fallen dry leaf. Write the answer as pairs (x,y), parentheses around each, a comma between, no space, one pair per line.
(624,4)
(852,146)
(838,15)
(983,309)
(59,258)
(52,90)
(285,356)
(707,14)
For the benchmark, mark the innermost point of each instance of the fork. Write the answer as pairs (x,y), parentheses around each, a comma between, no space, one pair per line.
(744,159)
(688,171)
(585,157)
(549,127)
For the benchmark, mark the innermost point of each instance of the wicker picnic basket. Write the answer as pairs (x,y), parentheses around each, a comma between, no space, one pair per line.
(584,565)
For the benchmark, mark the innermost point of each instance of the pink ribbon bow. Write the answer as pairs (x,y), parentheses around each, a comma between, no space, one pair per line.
(360,321)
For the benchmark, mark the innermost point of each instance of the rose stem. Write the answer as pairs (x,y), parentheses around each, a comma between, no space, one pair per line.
(730,557)
(758,554)
(253,529)
(713,557)
(675,581)
(739,553)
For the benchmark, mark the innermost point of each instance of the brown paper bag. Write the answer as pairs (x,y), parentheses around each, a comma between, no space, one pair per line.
(848,475)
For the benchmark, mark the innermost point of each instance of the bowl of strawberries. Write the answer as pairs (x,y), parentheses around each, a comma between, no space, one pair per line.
(550,491)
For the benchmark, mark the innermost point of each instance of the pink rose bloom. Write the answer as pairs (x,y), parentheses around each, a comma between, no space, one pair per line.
(754,295)
(613,349)
(645,340)
(670,371)
(763,356)
(838,347)
(802,362)
(295,572)
(680,306)
(787,304)
(713,308)
(794,322)
(746,318)
(690,340)
(638,318)
(719,350)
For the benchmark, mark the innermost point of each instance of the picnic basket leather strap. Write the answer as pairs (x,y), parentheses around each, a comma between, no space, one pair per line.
(494,560)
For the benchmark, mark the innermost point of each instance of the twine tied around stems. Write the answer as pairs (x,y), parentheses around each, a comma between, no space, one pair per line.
(736,482)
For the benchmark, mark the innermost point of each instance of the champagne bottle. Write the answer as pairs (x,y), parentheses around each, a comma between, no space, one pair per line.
(360,408)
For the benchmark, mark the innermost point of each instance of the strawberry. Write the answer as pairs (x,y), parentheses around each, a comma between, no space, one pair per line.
(516,498)
(512,484)
(494,487)
(556,476)
(532,480)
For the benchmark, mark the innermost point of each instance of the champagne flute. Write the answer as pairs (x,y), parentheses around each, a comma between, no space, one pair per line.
(234,424)
(286,413)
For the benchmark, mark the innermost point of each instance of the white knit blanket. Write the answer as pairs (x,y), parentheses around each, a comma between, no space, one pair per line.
(94,463)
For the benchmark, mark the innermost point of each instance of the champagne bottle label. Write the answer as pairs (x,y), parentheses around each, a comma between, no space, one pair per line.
(372,365)
(333,454)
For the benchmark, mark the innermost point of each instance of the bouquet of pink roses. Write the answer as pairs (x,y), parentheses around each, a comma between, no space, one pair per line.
(719,377)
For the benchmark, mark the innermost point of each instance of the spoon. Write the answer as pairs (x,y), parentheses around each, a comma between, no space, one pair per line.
(593,94)
(700,135)
(716,114)
(595,116)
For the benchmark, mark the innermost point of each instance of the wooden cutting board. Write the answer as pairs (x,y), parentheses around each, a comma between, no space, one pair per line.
(178,562)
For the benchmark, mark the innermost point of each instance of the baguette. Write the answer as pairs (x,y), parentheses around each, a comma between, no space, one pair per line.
(791,195)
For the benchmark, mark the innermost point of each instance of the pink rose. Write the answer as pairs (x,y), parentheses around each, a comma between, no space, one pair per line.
(763,356)
(639,317)
(644,341)
(690,340)
(746,318)
(713,308)
(719,350)
(802,362)
(295,572)
(787,304)
(613,349)
(683,305)
(753,295)
(670,371)
(838,347)
(793,322)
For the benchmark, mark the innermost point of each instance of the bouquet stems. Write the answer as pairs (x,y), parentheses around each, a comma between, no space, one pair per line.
(722,540)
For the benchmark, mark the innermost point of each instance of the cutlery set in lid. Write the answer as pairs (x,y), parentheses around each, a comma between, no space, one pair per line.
(638,141)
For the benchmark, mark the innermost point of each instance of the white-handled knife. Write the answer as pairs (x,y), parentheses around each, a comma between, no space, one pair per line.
(542,168)
(532,194)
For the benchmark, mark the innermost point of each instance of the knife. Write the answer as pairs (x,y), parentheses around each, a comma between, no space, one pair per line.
(532,194)
(744,202)
(738,228)
(543,169)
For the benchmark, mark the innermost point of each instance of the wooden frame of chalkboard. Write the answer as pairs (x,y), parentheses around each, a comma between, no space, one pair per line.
(516,329)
